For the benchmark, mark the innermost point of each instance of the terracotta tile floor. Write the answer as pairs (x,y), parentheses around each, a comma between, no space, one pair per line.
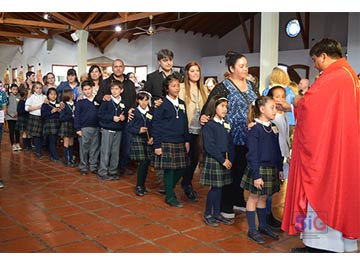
(46,207)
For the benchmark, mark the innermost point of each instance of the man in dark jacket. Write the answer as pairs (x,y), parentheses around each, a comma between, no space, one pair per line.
(129,99)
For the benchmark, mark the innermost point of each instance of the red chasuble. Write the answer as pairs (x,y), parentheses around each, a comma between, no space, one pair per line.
(325,161)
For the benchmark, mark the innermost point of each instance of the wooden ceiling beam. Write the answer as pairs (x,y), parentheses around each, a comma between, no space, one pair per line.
(73,23)
(88,20)
(18,34)
(249,42)
(107,41)
(123,15)
(304,29)
(132,17)
(7,42)
(20,22)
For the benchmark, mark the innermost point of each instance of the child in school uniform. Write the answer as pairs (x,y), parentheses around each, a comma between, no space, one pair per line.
(34,126)
(171,138)
(50,113)
(67,130)
(87,128)
(265,166)
(23,117)
(12,116)
(219,153)
(112,115)
(141,144)
(281,120)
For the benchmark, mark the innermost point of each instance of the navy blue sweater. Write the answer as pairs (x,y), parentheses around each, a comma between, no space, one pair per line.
(67,115)
(218,141)
(140,120)
(264,149)
(86,114)
(46,112)
(106,113)
(166,128)
(21,108)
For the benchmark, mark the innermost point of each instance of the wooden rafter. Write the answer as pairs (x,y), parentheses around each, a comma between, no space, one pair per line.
(73,23)
(304,28)
(88,20)
(107,42)
(123,15)
(132,17)
(17,42)
(18,34)
(21,22)
(249,38)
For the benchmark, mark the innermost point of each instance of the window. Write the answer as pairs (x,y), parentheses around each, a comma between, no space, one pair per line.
(60,72)
(293,28)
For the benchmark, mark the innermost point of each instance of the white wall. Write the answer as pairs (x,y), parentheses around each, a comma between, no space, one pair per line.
(354,41)
(208,51)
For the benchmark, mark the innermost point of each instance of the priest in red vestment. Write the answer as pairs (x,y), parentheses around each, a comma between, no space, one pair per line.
(323,192)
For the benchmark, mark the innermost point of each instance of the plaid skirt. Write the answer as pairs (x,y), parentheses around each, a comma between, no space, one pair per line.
(34,126)
(51,127)
(270,177)
(214,174)
(139,149)
(21,123)
(67,129)
(173,156)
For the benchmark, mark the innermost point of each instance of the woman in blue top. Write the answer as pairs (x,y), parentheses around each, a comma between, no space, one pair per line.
(240,93)
(72,82)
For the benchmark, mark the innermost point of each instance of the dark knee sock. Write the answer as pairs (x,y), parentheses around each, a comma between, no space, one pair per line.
(261,213)
(251,220)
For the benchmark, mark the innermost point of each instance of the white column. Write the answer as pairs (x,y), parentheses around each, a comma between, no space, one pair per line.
(269,46)
(82,51)
(353,42)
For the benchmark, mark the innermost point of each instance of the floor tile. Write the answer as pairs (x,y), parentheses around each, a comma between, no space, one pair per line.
(62,237)
(178,243)
(152,231)
(119,241)
(99,228)
(85,246)
(143,248)
(28,244)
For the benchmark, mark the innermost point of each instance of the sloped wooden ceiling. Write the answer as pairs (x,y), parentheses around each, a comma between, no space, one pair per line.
(15,26)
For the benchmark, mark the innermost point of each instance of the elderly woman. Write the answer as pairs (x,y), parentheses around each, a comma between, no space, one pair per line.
(194,93)
(240,93)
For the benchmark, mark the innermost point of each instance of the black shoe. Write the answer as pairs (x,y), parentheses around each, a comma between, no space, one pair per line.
(39,156)
(174,202)
(114,176)
(139,191)
(210,220)
(145,191)
(105,177)
(224,220)
(272,222)
(256,237)
(267,231)
(191,195)
(56,160)
(83,172)
(126,172)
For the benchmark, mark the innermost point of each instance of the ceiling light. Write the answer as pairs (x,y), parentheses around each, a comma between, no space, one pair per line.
(293,28)
(47,16)
(118,28)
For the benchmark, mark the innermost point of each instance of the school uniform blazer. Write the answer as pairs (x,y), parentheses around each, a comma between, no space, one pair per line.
(46,112)
(138,122)
(107,112)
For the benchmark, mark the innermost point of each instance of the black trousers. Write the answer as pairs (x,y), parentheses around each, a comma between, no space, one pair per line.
(194,154)
(14,134)
(233,194)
